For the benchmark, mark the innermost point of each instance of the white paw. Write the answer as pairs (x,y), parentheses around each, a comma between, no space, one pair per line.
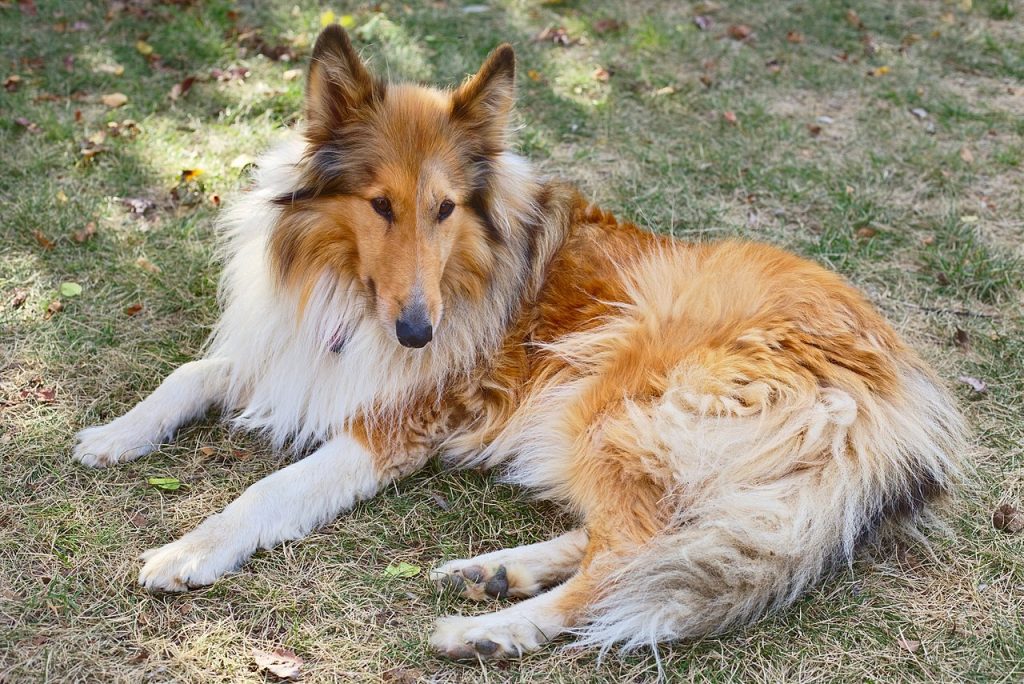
(116,442)
(478,581)
(195,560)
(497,635)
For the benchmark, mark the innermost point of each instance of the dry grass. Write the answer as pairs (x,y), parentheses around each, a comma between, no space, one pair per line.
(883,196)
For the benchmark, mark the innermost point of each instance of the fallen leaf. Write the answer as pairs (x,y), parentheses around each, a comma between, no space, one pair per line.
(280,662)
(138,205)
(795,37)
(975,384)
(740,32)
(189,175)
(85,233)
(143,48)
(292,74)
(28,7)
(853,19)
(730,117)
(533,75)
(814,130)
(966,155)
(880,71)
(62,197)
(114,100)
(147,265)
(607,25)
(1008,519)
(234,73)
(402,675)
(70,289)
(29,126)
(948,18)
(402,570)
(44,242)
(667,90)
(557,35)
(169,484)
(19,298)
(181,89)
(54,307)
(113,69)
(601,74)
(12,83)
(132,309)
(702,22)
(962,339)
(909,644)
(866,232)
(441,502)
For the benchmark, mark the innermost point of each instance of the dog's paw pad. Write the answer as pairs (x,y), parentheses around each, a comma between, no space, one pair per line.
(476,582)
(485,637)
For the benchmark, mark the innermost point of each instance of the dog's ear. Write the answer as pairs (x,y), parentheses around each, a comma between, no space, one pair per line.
(484,102)
(338,84)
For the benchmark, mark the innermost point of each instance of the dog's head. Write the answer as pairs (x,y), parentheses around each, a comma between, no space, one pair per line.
(394,189)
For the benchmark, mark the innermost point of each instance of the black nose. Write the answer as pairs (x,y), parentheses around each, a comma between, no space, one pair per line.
(413,328)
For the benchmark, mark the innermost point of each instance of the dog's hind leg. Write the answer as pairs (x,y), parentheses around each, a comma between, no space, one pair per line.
(285,505)
(520,572)
(187,393)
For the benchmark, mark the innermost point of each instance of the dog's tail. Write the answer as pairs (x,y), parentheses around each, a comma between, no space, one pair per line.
(809,482)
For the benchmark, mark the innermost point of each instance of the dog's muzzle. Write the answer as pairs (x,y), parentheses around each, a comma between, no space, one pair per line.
(413,327)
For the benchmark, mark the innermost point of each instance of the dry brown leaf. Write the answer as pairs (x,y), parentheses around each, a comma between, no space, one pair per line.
(730,117)
(866,232)
(12,83)
(112,69)
(55,307)
(147,265)
(30,126)
(181,89)
(402,675)
(702,22)
(909,644)
(601,74)
(853,19)
(144,48)
(795,37)
(44,242)
(114,100)
(533,75)
(19,298)
(280,662)
(607,25)
(85,233)
(966,155)
(292,74)
(132,309)
(962,339)
(740,32)
(1008,519)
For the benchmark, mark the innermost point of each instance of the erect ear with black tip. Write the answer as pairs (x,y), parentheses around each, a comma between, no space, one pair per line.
(484,102)
(338,84)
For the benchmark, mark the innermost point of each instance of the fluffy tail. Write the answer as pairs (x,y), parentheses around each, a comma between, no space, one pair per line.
(799,490)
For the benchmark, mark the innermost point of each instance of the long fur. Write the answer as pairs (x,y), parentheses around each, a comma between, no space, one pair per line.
(728,421)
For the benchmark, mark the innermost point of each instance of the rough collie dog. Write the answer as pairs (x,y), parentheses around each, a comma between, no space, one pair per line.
(727,421)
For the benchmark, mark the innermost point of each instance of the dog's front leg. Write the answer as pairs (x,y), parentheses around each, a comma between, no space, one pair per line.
(286,505)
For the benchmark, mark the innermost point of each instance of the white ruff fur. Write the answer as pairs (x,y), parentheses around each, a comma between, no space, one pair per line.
(284,378)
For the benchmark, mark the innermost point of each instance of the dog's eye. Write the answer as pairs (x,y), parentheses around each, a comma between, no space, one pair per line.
(447,207)
(382,205)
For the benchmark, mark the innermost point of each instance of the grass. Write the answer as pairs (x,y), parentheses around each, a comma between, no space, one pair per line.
(932,233)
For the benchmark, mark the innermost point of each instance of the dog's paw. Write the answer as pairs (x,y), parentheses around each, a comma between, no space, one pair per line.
(475,581)
(195,560)
(486,637)
(107,445)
